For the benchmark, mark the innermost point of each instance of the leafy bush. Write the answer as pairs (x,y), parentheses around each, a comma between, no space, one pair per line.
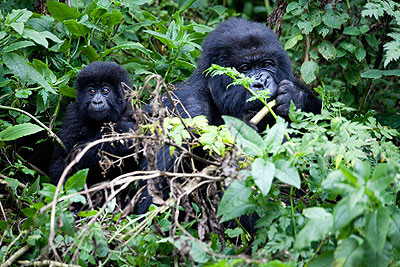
(326,196)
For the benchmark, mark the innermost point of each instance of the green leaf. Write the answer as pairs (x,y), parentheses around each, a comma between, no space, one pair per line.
(235,201)
(286,173)
(384,174)
(360,53)
(18,131)
(308,70)
(263,172)
(332,20)
(351,31)
(3,225)
(77,181)
(372,74)
(245,136)
(68,225)
(327,50)
(394,229)
(22,69)
(17,46)
(316,228)
(348,253)
(67,91)
(377,227)
(131,45)
(325,259)
(19,15)
(305,26)
(345,212)
(35,36)
(29,212)
(293,41)
(90,52)
(76,28)
(275,135)
(61,11)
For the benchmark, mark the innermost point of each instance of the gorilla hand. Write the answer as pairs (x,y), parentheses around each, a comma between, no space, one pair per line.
(287,92)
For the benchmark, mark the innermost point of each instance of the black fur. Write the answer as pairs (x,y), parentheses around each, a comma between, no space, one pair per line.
(253,49)
(85,117)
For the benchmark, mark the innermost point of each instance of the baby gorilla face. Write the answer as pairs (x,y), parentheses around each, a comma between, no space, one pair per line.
(99,98)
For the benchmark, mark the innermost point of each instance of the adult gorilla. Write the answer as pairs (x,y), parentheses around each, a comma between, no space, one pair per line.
(100,99)
(254,50)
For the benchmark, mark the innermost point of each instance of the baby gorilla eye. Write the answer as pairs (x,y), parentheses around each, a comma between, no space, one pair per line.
(105,90)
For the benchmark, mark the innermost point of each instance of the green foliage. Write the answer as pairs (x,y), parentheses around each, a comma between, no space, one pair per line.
(327,196)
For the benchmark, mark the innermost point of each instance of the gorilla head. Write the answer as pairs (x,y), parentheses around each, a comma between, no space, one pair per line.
(252,49)
(100,91)
(100,99)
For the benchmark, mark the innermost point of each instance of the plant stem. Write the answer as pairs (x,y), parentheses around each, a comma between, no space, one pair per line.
(292,211)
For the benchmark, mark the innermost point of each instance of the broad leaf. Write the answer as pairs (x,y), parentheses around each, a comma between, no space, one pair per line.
(315,229)
(263,172)
(377,228)
(327,50)
(245,136)
(235,201)
(348,253)
(287,173)
(18,131)
(77,181)
(61,11)
(308,70)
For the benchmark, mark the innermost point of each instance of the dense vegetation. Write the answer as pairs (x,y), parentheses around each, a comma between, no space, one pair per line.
(334,201)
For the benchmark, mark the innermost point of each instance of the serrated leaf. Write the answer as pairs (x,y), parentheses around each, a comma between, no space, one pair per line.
(305,26)
(245,136)
(286,173)
(18,131)
(293,41)
(308,70)
(67,91)
(235,201)
(60,11)
(77,181)
(327,50)
(263,173)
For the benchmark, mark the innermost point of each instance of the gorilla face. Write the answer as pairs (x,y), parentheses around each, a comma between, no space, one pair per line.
(100,93)
(252,49)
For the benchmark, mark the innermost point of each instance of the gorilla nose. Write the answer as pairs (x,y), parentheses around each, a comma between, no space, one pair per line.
(257,84)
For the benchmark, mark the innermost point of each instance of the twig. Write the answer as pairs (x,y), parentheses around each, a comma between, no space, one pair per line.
(262,113)
(46,263)
(15,256)
(2,211)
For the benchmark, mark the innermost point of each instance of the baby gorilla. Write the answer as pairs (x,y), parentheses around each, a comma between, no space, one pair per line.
(100,99)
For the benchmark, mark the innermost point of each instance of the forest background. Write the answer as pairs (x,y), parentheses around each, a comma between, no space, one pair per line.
(337,203)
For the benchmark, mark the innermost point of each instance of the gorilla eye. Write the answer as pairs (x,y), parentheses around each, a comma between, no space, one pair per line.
(92,91)
(267,63)
(244,67)
(105,90)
